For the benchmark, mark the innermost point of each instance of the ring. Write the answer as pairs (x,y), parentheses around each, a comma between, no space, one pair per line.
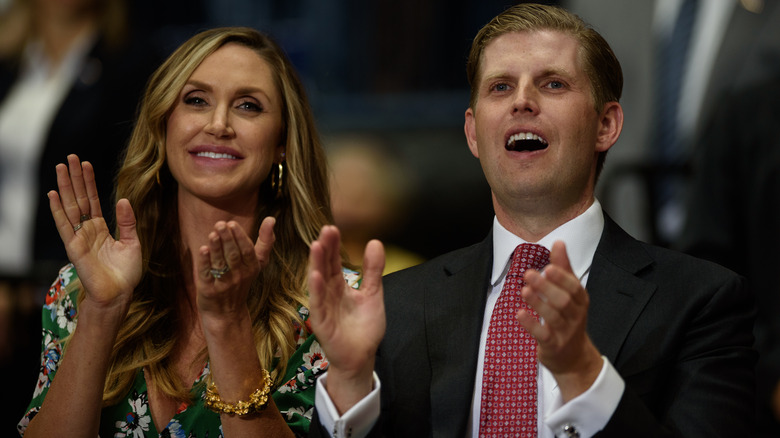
(85,217)
(77,227)
(218,273)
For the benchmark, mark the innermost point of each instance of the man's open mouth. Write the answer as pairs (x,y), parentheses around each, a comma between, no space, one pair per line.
(525,142)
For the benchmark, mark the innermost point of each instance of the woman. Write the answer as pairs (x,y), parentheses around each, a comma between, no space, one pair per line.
(197,289)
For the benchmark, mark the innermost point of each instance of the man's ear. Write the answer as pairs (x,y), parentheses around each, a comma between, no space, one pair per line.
(610,126)
(470,129)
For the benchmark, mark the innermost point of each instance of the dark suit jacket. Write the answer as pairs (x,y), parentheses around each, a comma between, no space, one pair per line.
(677,329)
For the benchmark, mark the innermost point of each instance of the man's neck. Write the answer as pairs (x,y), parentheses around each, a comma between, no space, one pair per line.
(533,224)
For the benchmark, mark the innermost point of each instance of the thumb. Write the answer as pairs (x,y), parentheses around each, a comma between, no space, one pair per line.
(125,219)
(265,240)
(373,265)
(558,256)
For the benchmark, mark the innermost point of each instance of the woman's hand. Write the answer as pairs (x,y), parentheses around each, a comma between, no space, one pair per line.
(109,269)
(227,266)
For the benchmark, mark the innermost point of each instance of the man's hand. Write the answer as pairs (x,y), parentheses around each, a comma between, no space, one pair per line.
(562,304)
(349,323)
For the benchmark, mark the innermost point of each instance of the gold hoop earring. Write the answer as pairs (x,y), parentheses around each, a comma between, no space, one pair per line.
(277,180)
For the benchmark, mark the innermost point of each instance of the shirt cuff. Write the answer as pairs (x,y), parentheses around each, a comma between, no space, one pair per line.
(357,421)
(590,411)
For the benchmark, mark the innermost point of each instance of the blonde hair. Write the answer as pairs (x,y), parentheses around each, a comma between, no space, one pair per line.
(148,334)
(599,61)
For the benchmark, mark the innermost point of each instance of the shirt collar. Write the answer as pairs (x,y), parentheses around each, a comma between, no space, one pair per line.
(581,236)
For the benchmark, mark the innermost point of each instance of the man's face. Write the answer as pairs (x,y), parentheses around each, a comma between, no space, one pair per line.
(534,127)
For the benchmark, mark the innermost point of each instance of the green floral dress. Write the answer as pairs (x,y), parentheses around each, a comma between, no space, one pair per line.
(132,417)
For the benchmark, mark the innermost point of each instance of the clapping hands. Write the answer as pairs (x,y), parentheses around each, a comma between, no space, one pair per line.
(109,269)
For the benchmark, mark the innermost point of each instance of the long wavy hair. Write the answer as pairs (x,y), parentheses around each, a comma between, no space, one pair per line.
(150,331)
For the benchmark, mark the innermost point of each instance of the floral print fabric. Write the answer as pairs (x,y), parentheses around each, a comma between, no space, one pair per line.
(132,417)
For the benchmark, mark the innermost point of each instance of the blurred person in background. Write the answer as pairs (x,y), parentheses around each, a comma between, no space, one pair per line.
(733,217)
(71,75)
(370,195)
(679,58)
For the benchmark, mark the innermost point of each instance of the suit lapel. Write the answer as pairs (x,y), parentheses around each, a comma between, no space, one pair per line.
(617,294)
(455,340)
(617,297)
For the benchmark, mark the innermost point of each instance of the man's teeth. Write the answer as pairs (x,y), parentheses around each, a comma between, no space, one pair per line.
(215,155)
(525,136)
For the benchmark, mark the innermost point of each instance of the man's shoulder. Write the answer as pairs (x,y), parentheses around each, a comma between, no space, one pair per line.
(672,260)
(671,274)
(443,265)
(647,260)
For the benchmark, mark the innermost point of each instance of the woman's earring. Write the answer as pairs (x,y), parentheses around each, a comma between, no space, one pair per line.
(277,180)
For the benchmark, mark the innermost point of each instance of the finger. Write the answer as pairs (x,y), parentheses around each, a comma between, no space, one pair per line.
(568,289)
(265,241)
(92,192)
(230,250)
(318,253)
(244,244)
(537,298)
(217,258)
(540,332)
(64,226)
(79,187)
(561,273)
(373,266)
(203,264)
(545,296)
(316,280)
(66,196)
(320,265)
(559,257)
(125,220)
(331,240)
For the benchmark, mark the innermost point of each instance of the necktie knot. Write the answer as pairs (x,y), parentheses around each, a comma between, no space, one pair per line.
(528,256)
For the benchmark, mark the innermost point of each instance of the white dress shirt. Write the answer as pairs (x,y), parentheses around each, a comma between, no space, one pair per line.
(587,413)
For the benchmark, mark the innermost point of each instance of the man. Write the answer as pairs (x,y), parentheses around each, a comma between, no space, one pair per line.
(658,345)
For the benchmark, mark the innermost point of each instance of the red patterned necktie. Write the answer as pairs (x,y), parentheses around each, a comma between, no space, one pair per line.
(508,406)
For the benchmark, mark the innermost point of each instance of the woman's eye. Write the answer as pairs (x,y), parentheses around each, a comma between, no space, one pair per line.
(250,106)
(194,100)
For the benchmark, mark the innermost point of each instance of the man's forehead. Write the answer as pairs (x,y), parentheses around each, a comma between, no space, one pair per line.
(545,49)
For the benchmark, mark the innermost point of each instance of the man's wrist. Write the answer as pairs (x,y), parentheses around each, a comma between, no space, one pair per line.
(346,388)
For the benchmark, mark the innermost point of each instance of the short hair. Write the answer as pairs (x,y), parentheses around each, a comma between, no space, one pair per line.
(599,61)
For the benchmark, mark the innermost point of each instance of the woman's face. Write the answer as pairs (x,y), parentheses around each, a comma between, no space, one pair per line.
(224,132)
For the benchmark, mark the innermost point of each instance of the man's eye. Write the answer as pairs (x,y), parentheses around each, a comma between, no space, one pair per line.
(555,85)
(500,87)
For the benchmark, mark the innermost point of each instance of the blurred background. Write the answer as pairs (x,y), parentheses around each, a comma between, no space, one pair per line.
(388,77)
